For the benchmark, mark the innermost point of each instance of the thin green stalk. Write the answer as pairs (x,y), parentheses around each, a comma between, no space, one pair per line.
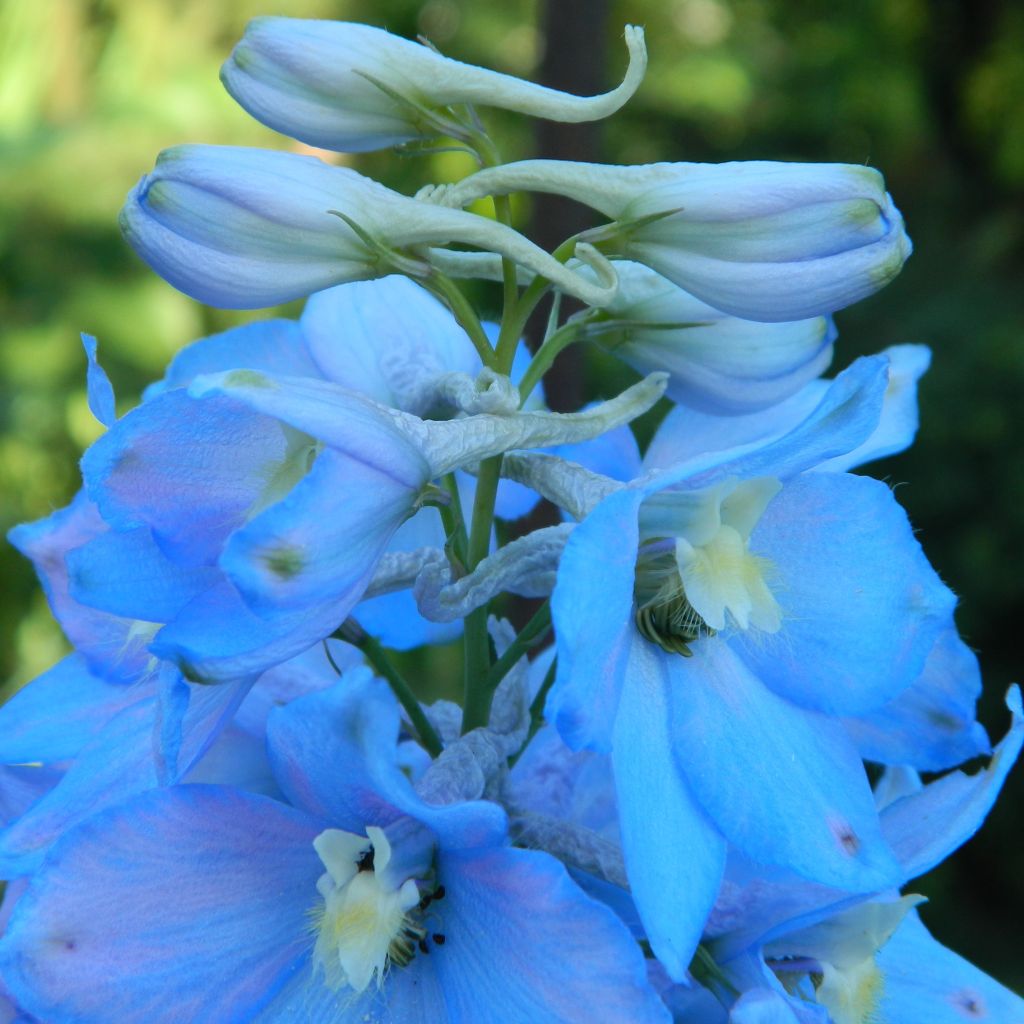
(351,632)
(529,636)
(534,292)
(476,643)
(546,355)
(454,522)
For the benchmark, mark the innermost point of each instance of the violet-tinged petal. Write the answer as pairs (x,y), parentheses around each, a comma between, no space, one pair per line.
(216,637)
(518,911)
(189,718)
(216,459)
(335,754)
(114,647)
(762,240)
(687,433)
(244,228)
(117,763)
(321,542)
(350,87)
(410,995)
(308,672)
(183,904)
(54,716)
(126,574)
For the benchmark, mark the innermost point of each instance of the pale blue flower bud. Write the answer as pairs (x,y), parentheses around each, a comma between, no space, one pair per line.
(760,240)
(247,228)
(353,88)
(716,363)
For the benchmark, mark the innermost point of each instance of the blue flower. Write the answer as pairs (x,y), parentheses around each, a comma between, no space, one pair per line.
(359,901)
(712,622)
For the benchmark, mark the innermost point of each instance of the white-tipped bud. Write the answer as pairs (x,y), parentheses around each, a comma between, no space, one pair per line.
(716,363)
(354,88)
(761,240)
(246,228)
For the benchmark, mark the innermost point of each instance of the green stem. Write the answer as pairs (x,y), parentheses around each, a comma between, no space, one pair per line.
(546,355)
(534,292)
(460,306)
(351,632)
(454,523)
(476,643)
(529,636)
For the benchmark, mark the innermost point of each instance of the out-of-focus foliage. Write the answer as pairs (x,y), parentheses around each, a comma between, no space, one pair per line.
(931,92)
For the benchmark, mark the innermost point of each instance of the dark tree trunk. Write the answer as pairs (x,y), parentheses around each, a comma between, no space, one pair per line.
(575,61)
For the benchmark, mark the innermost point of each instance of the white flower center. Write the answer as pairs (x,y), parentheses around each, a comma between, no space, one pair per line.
(365,922)
(696,564)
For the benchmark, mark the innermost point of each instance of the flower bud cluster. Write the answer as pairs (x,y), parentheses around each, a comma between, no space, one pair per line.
(652,803)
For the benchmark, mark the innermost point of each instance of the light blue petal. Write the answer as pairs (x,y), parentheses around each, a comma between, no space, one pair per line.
(591,607)
(780,255)
(126,574)
(923,828)
(931,724)
(99,391)
(307,672)
(184,904)
(861,606)
(335,753)
(847,414)
(614,454)
(191,471)
(118,762)
(237,759)
(395,620)
(409,995)
(730,366)
(344,420)
(674,855)
(216,637)
(782,784)
(388,339)
(56,714)
(523,943)
(114,647)
(924,981)
(189,718)
(322,541)
(271,346)
(687,433)
(21,786)
(763,1006)
(897,427)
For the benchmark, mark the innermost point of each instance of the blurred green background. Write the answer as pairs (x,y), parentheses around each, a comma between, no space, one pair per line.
(930,92)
